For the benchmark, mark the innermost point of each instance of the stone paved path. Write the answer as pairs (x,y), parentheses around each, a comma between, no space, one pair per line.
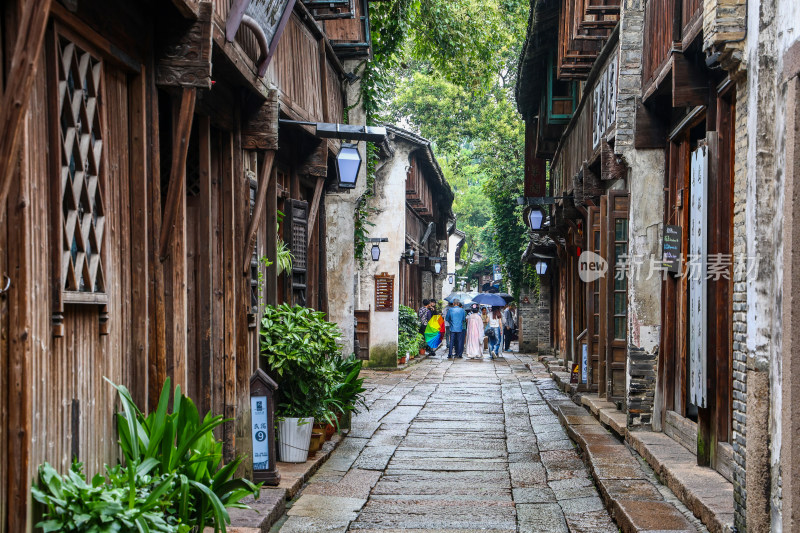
(453,446)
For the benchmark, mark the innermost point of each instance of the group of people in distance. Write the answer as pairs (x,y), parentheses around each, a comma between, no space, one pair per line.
(467,328)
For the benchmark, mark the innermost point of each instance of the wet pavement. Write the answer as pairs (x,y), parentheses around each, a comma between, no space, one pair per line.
(452,446)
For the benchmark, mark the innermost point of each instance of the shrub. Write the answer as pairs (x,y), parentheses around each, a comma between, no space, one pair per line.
(301,348)
(409,339)
(172,481)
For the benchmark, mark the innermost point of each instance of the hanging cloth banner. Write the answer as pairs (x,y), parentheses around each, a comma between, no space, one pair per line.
(266,18)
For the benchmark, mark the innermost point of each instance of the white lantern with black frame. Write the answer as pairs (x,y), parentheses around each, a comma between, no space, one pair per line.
(541,268)
(535,218)
(437,267)
(376,252)
(348,163)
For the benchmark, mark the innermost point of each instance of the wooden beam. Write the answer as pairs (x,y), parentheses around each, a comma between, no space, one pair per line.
(689,83)
(312,215)
(261,199)
(177,178)
(27,49)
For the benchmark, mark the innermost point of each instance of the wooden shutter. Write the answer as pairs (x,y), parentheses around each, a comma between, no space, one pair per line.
(593,302)
(296,237)
(362,333)
(384,292)
(616,294)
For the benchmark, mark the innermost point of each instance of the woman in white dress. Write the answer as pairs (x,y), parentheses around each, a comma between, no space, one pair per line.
(474,344)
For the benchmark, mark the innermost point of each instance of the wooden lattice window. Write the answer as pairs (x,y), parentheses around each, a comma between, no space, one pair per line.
(80,103)
(384,292)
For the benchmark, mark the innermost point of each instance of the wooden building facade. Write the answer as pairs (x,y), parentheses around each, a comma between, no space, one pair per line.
(144,171)
(635,147)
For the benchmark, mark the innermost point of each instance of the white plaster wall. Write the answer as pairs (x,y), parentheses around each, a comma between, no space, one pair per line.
(772,29)
(340,225)
(390,222)
(452,244)
(646,179)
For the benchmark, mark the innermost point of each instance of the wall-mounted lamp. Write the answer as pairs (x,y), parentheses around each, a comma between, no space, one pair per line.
(541,268)
(437,267)
(408,255)
(376,250)
(348,163)
(451,279)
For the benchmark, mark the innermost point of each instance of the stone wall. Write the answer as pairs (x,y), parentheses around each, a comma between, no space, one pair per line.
(641,386)
(739,436)
(645,184)
(534,319)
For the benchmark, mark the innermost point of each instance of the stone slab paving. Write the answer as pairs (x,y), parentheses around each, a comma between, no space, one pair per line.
(453,446)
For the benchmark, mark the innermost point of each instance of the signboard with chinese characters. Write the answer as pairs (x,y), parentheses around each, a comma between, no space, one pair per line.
(497,273)
(671,248)
(584,362)
(604,102)
(696,274)
(384,292)
(260,421)
(262,428)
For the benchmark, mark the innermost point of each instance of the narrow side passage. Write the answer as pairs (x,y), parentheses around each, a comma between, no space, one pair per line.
(453,446)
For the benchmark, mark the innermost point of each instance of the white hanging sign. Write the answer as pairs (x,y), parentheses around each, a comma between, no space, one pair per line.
(696,273)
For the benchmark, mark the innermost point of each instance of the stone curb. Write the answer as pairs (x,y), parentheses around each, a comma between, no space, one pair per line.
(706,493)
(632,500)
(271,504)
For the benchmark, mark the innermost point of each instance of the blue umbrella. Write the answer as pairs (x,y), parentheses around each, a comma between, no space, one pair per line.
(486,298)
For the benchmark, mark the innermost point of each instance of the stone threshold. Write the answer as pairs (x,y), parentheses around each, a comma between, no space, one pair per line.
(706,493)
(271,504)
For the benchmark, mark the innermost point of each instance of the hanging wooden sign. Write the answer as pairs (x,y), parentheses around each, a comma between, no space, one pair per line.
(384,292)
(266,18)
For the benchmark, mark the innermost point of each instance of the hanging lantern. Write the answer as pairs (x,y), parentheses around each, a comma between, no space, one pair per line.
(437,267)
(541,268)
(376,252)
(349,163)
(535,218)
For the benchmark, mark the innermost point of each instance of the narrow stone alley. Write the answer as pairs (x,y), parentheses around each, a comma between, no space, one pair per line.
(454,446)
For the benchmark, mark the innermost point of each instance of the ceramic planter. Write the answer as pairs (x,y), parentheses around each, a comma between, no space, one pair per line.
(294,438)
(317,440)
(402,360)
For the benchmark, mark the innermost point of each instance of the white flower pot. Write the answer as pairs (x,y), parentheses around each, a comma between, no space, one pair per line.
(294,439)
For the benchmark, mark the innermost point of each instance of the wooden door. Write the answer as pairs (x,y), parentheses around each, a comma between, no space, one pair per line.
(602,334)
(593,302)
(617,295)
(362,333)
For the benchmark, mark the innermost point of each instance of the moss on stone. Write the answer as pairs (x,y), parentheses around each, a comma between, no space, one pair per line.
(382,356)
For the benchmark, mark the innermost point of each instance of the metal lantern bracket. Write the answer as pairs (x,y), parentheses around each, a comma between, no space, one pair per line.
(349,132)
(540,200)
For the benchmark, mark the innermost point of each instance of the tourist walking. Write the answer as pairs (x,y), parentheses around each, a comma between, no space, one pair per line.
(495,336)
(454,318)
(509,325)
(474,334)
(485,318)
(447,325)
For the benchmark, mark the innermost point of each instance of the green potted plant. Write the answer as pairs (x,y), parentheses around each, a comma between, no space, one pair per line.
(298,345)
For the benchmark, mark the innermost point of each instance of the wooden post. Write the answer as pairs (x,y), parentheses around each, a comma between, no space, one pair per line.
(177,174)
(264,179)
(27,48)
